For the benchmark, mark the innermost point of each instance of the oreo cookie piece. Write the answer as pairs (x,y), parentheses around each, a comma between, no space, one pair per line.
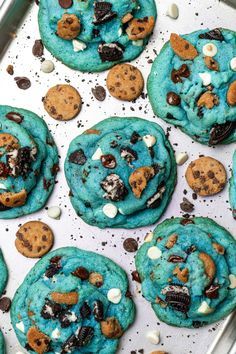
(187,271)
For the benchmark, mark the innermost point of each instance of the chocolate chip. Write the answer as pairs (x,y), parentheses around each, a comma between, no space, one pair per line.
(85,310)
(81,273)
(108,161)
(114,187)
(173,99)
(38,48)
(128,154)
(110,51)
(136,276)
(99,93)
(176,74)
(98,311)
(5,304)
(78,157)
(65,4)
(85,335)
(214,34)
(212,291)
(175,259)
(155,200)
(15,117)
(220,132)
(186,206)
(103,13)
(135,137)
(130,245)
(22,82)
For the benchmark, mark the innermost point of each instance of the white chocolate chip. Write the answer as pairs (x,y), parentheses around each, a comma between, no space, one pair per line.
(181,158)
(154,252)
(21,326)
(173,11)
(149,140)
(232,279)
(205,309)
(78,45)
(206,78)
(56,333)
(120,32)
(153,336)
(47,66)
(2,186)
(233,64)
(97,155)
(138,43)
(209,50)
(54,212)
(110,210)
(148,237)
(114,295)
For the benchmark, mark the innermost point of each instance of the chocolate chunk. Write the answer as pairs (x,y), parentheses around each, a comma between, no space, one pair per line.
(212,292)
(85,310)
(78,157)
(103,13)
(98,311)
(186,206)
(128,154)
(81,273)
(178,300)
(85,335)
(114,187)
(99,93)
(110,51)
(38,48)
(176,75)
(220,132)
(22,82)
(51,310)
(214,34)
(155,200)
(130,245)
(175,259)
(135,137)
(54,267)
(136,276)
(15,117)
(65,4)
(5,304)
(173,99)
(108,161)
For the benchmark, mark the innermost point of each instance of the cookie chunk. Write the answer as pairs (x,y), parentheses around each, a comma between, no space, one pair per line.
(72,313)
(193,282)
(232,187)
(125,82)
(28,162)
(34,239)
(99,35)
(192,85)
(121,173)
(62,102)
(206,176)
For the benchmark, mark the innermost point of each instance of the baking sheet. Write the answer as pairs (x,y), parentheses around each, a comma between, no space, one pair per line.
(72,231)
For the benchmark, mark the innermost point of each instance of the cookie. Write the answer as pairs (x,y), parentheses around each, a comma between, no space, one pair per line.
(62,102)
(34,239)
(192,85)
(2,344)
(206,176)
(72,314)
(99,35)
(125,82)
(187,271)
(3,274)
(232,187)
(121,173)
(28,163)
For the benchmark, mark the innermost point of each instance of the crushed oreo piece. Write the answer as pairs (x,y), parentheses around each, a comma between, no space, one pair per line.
(85,310)
(99,93)
(19,161)
(128,154)
(54,267)
(155,200)
(15,117)
(135,137)
(69,344)
(212,292)
(51,310)
(66,318)
(98,310)
(103,12)
(38,48)
(113,144)
(214,34)
(191,249)
(85,335)
(220,132)
(78,157)
(186,206)
(178,299)
(110,51)
(22,82)
(4,170)
(114,187)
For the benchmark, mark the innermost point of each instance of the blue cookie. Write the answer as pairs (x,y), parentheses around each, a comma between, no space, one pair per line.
(3,274)
(72,301)
(232,187)
(2,344)
(121,173)
(28,162)
(192,85)
(188,271)
(95,35)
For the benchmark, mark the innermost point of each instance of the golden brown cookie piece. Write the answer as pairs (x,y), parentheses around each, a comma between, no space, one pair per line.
(184,49)
(206,176)
(139,178)
(8,141)
(62,102)
(208,99)
(231,94)
(38,341)
(11,200)
(70,298)
(140,28)
(96,279)
(125,82)
(111,328)
(209,265)
(211,63)
(34,239)
(68,27)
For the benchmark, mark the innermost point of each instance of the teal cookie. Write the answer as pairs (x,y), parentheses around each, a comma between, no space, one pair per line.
(188,271)
(121,173)
(232,187)
(193,93)
(73,301)
(102,41)
(3,274)
(28,163)
(2,344)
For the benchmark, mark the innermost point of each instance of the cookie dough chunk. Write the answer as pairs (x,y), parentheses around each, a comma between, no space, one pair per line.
(232,187)
(192,85)
(125,82)
(34,239)
(123,176)
(206,176)
(62,102)
(193,283)
(72,314)
(68,27)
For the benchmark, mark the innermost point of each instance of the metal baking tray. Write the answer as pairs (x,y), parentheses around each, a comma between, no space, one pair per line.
(16,49)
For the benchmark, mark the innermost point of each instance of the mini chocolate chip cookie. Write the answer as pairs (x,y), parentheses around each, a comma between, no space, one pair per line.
(206,176)
(34,239)
(62,102)
(125,82)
